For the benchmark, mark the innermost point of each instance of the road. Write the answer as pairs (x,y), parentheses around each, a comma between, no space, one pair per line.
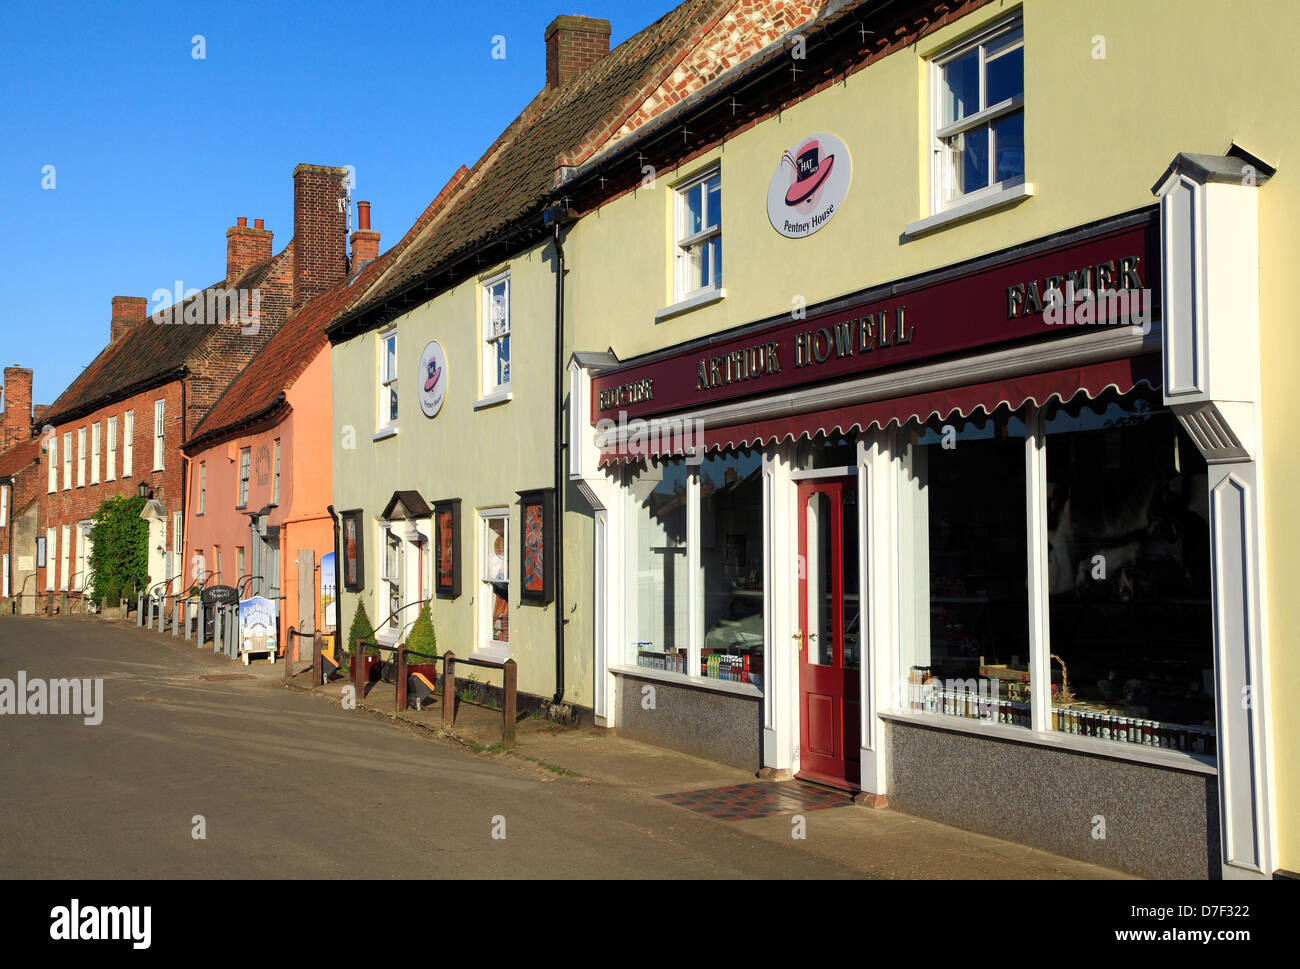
(290,787)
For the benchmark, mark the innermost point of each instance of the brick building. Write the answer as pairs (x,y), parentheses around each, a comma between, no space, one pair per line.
(19,466)
(120,425)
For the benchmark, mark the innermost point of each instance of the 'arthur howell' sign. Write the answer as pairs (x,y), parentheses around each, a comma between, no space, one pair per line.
(1106,279)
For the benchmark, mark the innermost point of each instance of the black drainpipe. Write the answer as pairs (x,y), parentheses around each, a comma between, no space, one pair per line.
(558,218)
(338,586)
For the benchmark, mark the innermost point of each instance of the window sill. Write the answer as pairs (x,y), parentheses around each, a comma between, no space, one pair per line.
(1155,756)
(969,209)
(491,654)
(705,298)
(685,679)
(501,396)
(385,432)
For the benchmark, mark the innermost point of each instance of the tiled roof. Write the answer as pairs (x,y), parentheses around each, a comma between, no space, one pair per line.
(512,179)
(19,457)
(149,354)
(257,390)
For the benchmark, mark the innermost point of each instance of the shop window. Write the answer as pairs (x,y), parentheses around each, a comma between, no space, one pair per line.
(699,235)
(964,554)
(731,566)
(245,462)
(67,461)
(128,443)
(979,116)
(496,335)
(110,466)
(388,381)
(494,581)
(655,603)
(823,452)
(1129,575)
(94,453)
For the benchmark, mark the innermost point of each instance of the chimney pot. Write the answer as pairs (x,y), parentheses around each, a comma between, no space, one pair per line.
(572,45)
(258,224)
(242,221)
(363,215)
(245,247)
(365,241)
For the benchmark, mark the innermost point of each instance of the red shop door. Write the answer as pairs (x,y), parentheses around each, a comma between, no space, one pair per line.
(829,632)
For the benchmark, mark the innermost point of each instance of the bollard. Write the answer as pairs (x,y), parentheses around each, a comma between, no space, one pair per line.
(216,627)
(187,621)
(162,615)
(449,690)
(139,609)
(508,705)
(176,617)
(316,661)
(232,625)
(401,678)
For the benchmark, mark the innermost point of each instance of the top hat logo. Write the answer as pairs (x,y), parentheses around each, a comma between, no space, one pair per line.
(434,372)
(808,173)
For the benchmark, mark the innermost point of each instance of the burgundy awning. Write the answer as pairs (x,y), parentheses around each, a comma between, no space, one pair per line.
(1014,392)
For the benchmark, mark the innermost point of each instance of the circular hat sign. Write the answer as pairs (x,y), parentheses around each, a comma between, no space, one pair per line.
(808,186)
(432,381)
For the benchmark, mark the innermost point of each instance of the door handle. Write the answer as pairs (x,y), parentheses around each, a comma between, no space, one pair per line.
(798,637)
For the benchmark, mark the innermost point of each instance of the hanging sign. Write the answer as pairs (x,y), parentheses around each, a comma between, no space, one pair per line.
(432,379)
(808,186)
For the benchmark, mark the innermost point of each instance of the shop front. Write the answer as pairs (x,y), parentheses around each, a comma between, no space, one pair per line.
(949,541)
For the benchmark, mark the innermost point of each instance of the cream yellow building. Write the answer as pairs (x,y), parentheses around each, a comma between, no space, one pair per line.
(824,383)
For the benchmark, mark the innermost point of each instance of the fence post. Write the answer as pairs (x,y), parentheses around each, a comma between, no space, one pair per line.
(316,661)
(401,678)
(508,703)
(359,671)
(449,690)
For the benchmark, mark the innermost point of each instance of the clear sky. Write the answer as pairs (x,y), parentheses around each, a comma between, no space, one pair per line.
(156,152)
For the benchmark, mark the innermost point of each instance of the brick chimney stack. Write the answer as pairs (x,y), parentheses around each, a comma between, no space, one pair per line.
(127,312)
(572,45)
(365,242)
(16,423)
(246,248)
(320,229)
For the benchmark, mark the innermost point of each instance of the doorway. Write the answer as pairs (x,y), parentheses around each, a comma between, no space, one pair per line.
(829,635)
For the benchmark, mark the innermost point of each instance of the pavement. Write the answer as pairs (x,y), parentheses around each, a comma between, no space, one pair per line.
(289,783)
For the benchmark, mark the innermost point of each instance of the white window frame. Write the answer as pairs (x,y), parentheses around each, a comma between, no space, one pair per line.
(386,382)
(4,505)
(110,465)
(159,432)
(67,460)
(942,164)
(51,560)
(491,389)
(683,243)
(52,464)
(81,457)
(95,442)
(128,444)
(275,492)
(203,486)
(64,553)
(178,534)
(391,580)
(484,643)
(245,476)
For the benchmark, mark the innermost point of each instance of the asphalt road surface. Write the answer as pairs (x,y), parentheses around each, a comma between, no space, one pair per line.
(290,787)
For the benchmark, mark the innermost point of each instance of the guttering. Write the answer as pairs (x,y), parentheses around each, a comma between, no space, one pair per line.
(338,586)
(557,218)
(179,372)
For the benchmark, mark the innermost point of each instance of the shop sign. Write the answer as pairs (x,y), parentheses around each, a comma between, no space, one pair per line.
(432,380)
(808,186)
(257,625)
(328,592)
(1107,279)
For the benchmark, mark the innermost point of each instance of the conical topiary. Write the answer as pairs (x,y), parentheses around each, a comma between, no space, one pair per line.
(360,629)
(422,638)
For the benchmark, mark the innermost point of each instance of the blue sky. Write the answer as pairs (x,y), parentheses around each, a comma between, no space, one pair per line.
(156,153)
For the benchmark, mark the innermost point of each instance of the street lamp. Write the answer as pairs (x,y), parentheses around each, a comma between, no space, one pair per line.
(143,489)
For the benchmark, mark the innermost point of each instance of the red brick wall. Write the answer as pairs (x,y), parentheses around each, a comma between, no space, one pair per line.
(246,248)
(128,311)
(68,507)
(16,426)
